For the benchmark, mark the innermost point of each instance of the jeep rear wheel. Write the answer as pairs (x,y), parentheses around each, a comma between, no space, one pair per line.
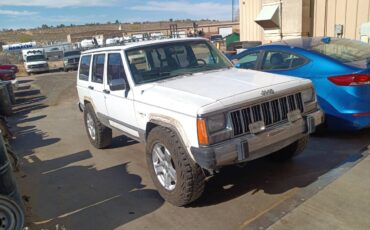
(178,179)
(291,150)
(99,135)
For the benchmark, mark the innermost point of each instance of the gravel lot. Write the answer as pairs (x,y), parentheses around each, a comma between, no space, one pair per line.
(69,183)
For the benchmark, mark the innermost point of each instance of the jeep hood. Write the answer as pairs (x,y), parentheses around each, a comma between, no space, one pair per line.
(188,94)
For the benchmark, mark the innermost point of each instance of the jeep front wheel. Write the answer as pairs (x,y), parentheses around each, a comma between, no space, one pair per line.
(99,135)
(178,179)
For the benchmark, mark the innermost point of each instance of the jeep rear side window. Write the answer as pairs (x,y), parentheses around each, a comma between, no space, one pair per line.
(85,68)
(98,68)
(115,67)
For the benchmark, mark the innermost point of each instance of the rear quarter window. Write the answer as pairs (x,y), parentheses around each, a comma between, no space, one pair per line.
(85,68)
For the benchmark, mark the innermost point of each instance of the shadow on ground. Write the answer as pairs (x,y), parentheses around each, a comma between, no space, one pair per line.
(82,197)
(323,154)
(29,100)
(122,141)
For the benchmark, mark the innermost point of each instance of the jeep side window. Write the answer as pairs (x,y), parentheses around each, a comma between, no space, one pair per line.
(85,68)
(98,68)
(115,67)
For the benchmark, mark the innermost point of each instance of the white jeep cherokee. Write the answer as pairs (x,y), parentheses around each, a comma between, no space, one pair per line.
(192,109)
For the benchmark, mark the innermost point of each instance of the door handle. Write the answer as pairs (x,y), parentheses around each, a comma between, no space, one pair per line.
(91,87)
(106,91)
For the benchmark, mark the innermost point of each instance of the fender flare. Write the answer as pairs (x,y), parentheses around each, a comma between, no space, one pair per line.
(172,124)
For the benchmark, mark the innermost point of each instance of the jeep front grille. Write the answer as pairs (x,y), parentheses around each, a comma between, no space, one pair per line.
(270,112)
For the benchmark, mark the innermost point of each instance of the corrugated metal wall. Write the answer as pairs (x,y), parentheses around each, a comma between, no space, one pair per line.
(350,13)
(249,30)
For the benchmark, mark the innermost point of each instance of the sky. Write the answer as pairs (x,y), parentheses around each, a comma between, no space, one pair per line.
(15,14)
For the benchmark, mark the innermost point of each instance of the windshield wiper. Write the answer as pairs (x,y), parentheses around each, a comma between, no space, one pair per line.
(182,74)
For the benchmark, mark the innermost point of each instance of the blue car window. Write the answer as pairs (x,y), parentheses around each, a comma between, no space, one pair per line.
(249,61)
(279,60)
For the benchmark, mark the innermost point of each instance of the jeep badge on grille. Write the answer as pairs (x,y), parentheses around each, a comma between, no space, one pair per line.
(267,92)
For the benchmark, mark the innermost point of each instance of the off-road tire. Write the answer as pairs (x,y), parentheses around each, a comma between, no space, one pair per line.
(103,134)
(291,150)
(190,177)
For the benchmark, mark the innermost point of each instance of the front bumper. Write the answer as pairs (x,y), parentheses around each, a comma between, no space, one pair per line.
(253,146)
(37,70)
(73,66)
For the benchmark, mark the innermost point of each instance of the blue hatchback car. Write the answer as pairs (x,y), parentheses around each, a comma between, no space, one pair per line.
(339,69)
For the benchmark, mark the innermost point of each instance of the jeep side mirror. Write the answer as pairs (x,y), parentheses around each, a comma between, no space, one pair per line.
(117,84)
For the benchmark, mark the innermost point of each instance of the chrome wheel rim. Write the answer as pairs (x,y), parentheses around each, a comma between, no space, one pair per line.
(164,167)
(90,126)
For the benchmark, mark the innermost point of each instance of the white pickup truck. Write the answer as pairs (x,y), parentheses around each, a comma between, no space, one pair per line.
(192,109)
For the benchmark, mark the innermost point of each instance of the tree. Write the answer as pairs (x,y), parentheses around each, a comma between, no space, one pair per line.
(117,22)
(44,26)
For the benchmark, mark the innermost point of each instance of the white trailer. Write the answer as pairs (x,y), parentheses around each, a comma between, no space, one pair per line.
(225,31)
(18,47)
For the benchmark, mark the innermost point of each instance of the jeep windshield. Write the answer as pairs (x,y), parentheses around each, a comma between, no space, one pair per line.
(35,58)
(162,61)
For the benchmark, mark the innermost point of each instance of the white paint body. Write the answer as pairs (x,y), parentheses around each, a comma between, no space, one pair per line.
(18,46)
(182,99)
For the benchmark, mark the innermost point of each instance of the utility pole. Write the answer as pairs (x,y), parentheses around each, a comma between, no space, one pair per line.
(232,10)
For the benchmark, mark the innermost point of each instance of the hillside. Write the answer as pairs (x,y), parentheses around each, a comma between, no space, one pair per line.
(60,34)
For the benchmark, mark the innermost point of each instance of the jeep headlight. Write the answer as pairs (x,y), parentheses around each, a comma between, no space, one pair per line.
(308,95)
(213,129)
(216,123)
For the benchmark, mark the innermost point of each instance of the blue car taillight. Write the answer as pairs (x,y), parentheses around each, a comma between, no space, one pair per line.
(351,80)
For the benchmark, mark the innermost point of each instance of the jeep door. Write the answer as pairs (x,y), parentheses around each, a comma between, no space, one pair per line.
(83,78)
(119,97)
(96,86)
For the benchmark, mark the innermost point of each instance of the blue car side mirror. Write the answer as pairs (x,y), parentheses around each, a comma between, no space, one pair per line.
(326,40)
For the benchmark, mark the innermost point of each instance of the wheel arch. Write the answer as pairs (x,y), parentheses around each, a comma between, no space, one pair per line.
(171,123)
(88,100)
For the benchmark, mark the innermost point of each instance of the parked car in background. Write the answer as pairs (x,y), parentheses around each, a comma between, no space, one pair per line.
(71,60)
(9,76)
(35,60)
(10,67)
(338,68)
(216,38)
(6,75)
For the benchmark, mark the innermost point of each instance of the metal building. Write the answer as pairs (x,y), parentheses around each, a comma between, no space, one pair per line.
(271,20)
